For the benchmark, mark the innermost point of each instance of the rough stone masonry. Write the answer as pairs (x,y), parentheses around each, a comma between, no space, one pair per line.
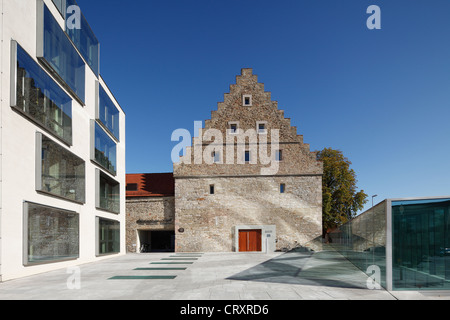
(215,203)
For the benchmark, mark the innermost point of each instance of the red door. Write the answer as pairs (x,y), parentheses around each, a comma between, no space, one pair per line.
(249,240)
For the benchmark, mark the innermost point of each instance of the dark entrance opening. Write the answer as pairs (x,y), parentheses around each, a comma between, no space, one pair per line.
(157,241)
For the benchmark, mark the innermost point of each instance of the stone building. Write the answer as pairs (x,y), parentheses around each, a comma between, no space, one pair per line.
(248,182)
(150,212)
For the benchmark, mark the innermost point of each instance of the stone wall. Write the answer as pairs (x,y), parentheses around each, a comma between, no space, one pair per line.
(148,213)
(208,220)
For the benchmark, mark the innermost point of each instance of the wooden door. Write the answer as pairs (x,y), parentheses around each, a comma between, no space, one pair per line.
(249,240)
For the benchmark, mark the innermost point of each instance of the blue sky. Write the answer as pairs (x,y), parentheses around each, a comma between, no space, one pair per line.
(382,97)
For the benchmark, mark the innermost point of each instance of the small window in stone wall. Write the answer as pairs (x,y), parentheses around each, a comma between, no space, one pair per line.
(279,155)
(247,157)
(282,187)
(211,189)
(247,100)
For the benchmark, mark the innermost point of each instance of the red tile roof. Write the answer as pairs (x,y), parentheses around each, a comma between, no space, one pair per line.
(150,184)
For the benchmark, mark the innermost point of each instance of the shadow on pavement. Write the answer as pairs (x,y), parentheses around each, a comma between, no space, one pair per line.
(323,268)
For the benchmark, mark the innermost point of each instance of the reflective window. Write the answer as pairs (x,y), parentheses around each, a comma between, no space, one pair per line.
(104,149)
(108,193)
(108,113)
(82,36)
(109,236)
(363,241)
(40,98)
(52,234)
(62,173)
(421,244)
(60,5)
(61,56)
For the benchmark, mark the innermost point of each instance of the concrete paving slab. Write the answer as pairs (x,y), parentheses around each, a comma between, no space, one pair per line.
(214,276)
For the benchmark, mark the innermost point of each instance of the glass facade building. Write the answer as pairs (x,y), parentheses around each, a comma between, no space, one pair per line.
(407,241)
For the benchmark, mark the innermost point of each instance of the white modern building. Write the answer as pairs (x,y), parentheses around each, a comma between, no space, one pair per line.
(62,143)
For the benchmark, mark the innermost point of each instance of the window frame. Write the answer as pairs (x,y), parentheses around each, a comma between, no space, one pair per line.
(258,123)
(79,72)
(39,181)
(93,130)
(99,174)
(66,137)
(100,92)
(25,243)
(250,100)
(98,240)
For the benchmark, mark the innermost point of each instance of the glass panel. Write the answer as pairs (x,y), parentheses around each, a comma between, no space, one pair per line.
(421,244)
(84,39)
(109,193)
(105,150)
(60,5)
(109,236)
(62,57)
(40,98)
(63,173)
(363,240)
(108,113)
(53,234)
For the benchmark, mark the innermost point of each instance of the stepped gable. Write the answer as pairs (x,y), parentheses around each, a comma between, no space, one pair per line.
(298,157)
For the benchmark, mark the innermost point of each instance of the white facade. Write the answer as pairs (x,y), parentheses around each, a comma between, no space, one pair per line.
(19,154)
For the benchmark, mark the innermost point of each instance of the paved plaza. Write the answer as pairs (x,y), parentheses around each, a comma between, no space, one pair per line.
(324,275)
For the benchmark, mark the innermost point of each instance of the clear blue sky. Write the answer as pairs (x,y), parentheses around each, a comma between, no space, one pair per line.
(382,97)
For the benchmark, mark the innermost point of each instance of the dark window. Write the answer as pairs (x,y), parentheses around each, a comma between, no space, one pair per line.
(108,193)
(233,128)
(282,188)
(211,189)
(132,187)
(247,156)
(279,155)
(261,128)
(247,100)
(109,236)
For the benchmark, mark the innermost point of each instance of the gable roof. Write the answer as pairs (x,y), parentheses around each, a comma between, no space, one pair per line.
(150,184)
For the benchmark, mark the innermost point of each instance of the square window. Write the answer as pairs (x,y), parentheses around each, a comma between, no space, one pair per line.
(261,127)
(282,188)
(233,127)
